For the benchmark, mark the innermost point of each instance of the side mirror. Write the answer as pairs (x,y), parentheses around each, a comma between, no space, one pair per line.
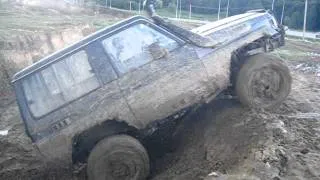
(157,51)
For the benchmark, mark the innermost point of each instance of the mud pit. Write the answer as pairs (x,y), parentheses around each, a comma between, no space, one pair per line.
(222,139)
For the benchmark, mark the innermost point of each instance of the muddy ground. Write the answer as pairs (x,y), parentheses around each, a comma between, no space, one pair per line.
(221,140)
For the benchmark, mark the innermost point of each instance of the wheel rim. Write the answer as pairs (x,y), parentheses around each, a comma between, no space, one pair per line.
(119,157)
(120,167)
(266,86)
(119,170)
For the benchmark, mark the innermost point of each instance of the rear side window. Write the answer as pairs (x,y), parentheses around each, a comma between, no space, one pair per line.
(128,49)
(59,83)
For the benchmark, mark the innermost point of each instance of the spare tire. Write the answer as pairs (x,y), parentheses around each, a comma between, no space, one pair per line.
(118,157)
(264,81)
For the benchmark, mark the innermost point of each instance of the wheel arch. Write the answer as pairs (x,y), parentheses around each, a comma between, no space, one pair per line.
(240,55)
(84,142)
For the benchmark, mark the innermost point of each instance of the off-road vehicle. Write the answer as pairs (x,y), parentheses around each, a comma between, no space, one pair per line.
(96,101)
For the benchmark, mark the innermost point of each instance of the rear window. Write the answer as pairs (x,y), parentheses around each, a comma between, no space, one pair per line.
(59,83)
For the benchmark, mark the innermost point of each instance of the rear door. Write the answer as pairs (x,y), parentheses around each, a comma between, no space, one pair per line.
(156,86)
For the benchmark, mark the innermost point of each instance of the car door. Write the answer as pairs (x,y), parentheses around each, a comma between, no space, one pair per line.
(158,73)
(107,102)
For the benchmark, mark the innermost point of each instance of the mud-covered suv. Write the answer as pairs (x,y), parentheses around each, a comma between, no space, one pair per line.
(95,101)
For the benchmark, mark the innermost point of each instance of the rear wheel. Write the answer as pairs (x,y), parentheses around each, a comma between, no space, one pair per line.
(264,81)
(119,157)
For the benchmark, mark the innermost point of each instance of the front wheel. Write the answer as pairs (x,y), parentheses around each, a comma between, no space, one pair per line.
(264,81)
(118,157)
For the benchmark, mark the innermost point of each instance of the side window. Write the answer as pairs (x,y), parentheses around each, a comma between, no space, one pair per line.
(59,83)
(129,48)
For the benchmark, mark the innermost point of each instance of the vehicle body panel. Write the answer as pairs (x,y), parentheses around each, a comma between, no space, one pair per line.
(165,86)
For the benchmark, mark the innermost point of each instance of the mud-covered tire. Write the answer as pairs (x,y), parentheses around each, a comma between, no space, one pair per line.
(118,157)
(264,81)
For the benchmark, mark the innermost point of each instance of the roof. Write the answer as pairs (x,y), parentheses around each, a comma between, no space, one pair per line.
(65,51)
